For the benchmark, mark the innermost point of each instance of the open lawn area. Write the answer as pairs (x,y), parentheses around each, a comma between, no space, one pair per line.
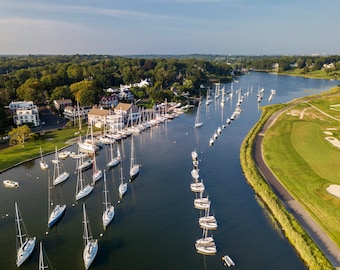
(302,150)
(31,149)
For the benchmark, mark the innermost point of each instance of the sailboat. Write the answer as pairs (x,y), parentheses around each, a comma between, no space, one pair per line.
(134,167)
(43,164)
(208,100)
(208,221)
(122,186)
(206,245)
(97,174)
(25,244)
(82,189)
(109,210)
(198,122)
(114,160)
(57,212)
(58,176)
(90,244)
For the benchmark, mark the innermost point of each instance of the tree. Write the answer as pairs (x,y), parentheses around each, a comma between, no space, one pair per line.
(32,90)
(86,92)
(19,135)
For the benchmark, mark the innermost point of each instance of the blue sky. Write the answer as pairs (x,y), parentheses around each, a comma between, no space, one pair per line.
(129,27)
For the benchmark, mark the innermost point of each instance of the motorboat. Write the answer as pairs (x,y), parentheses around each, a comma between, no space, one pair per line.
(10,183)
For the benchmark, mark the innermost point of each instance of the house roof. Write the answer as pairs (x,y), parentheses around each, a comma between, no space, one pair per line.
(99,112)
(123,106)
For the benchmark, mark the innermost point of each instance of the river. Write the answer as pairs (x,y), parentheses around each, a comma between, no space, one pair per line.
(156,224)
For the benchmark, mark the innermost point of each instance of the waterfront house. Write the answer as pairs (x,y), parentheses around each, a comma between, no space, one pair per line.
(24,112)
(62,103)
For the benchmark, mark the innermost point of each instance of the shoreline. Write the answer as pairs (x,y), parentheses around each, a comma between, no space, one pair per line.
(252,146)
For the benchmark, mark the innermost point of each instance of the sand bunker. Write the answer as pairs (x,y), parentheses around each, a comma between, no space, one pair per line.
(333,141)
(328,133)
(334,190)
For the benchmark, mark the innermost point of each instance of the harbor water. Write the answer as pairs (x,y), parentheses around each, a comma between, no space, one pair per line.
(155,224)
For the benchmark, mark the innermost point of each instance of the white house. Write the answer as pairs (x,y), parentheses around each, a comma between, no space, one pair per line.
(25,112)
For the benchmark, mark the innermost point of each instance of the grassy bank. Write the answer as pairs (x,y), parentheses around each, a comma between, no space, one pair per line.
(301,241)
(47,141)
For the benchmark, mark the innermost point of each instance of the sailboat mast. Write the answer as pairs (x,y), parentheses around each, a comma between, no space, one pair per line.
(17,219)
(106,202)
(86,233)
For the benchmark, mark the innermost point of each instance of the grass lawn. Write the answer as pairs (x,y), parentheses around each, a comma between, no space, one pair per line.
(47,141)
(296,150)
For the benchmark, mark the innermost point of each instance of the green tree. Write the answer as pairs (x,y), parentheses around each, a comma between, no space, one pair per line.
(61,92)
(32,90)
(86,92)
(19,134)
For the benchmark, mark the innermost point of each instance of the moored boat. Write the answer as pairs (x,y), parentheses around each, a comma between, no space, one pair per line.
(10,183)
(227,261)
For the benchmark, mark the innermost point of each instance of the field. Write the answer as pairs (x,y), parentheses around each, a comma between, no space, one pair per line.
(297,151)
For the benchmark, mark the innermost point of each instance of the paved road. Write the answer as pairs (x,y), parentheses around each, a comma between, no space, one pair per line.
(329,248)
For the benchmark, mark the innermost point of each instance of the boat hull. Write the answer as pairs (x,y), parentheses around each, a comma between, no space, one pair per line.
(25,250)
(10,184)
(108,215)
(61,178)
(90,252)
(122,189)
(56,214)
(84,192)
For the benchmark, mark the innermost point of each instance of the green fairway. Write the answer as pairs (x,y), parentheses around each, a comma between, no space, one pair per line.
(296,150)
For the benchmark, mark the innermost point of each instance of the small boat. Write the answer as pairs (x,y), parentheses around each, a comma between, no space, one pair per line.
(58,210)
(42,162)
(97,174)
(227,261)
(194,155)
(206,245)
(198,122)
(90,244)
(195,174)
(122,186)
(64,154)
(208,221)
(85,164)
(25,243)
(58,176)
(82,189)
(202,203)
(109,210)
(10,184)
(115,160)
(211,141)
(197,187)
(134,167)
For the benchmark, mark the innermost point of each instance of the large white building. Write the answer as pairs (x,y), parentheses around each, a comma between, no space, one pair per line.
(25,112)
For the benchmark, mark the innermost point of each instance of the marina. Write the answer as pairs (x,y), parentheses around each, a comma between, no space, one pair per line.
(159,202)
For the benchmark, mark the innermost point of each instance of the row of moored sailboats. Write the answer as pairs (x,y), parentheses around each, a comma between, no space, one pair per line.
(26,244)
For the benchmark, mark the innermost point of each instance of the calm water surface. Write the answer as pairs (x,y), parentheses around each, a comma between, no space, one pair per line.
(156,225)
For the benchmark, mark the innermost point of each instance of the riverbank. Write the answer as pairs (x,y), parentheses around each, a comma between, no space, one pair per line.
(257,178)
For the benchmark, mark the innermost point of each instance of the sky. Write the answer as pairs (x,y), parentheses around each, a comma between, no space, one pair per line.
(144,27)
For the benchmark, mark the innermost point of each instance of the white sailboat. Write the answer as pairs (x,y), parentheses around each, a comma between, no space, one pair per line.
(197,187)
(58,210)
(90,244)
(97,173)
(202,203)
(198,122)
(134,167)
(82,189)
(42,163)
(122,186)
(114,160)
(58,176)
(208,221)
(25,244)
(206,245)
(208,99)
(109,210)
